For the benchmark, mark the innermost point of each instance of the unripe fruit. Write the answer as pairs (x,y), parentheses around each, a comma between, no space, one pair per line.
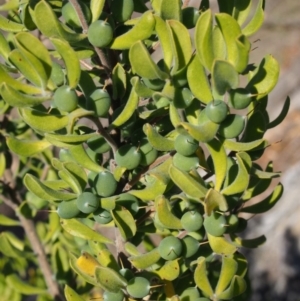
(170,248)
(190,16)
(122,9)
(65,99)
(240,98)
(149,154)
(215,224)
(128,156)
(100,33)
(216,111)
(232,222)
(102,216)
(109,296)
(129,201)
(190,246)
(185,163)
(186,145)
(183,98)
(87,202)
(71,17)
(232,126)
(138,287)
(126,273)
(105,184)
(192,221)
(57,74)
(68,209)
(99,101)
(98,145)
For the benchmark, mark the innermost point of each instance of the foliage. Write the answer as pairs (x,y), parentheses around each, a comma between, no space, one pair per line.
(154,135)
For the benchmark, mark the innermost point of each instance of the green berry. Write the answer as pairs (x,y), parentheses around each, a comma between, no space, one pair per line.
(105,184)
(185,163)
(102,216)
(232,126)
(87,202)
(215,224)
(99,101)
(216,111)
(128,156)
(130,202)
(68,209)
(170,248)
(138,287)
(122,9)
(98,145)
(109,296)
(65,99)
(192,221)
(100,33)
(190,246)
(186,145)
(190,16)
(240,98)
(57,74)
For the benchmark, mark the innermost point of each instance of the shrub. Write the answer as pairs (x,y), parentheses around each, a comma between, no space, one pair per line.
(104,138)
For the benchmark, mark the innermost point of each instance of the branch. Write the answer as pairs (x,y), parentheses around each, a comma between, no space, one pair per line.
(102,57)
(35,242)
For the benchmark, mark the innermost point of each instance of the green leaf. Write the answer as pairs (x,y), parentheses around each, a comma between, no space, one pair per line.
(170,9)
(70,180)
(141,89)
(70,59)
(264,174)
(144,261)
(243,146)
(201,279)
(220,245)
(264,77)
(203,39)
(174,115)
(70,138)
(219,157)
(38,188)
(4,47)
(10,26)
(219,46)
(282,114)
(241,11)
(241,181)
(204,132)
(88,277)
(157,141)
(187,183)
(255,128)
(124,221)
(237,287)
(96,7)
(79,154)
(142,63)
(196,77)
(71,295)
(43,121)
(141,31)
(6,221)
(78,172)
(119,80)
(213,200)
(49,25)
(10,81)
(22,287)
(267,203)
(18,99)
(109,279)
(23,65)
(228,270)
(170,270)
(164,214)
(7,249)
(26,147)
(164,36)
(181,44)
(128,110)
(78,229)
(257,20)
(224,77)
(36,54)
(248,243)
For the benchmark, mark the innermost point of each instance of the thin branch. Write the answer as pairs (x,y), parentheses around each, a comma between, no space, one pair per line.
(35,242)
(103,59)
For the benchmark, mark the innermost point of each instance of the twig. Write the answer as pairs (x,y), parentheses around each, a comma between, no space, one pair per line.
(103,59)
(35,242)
